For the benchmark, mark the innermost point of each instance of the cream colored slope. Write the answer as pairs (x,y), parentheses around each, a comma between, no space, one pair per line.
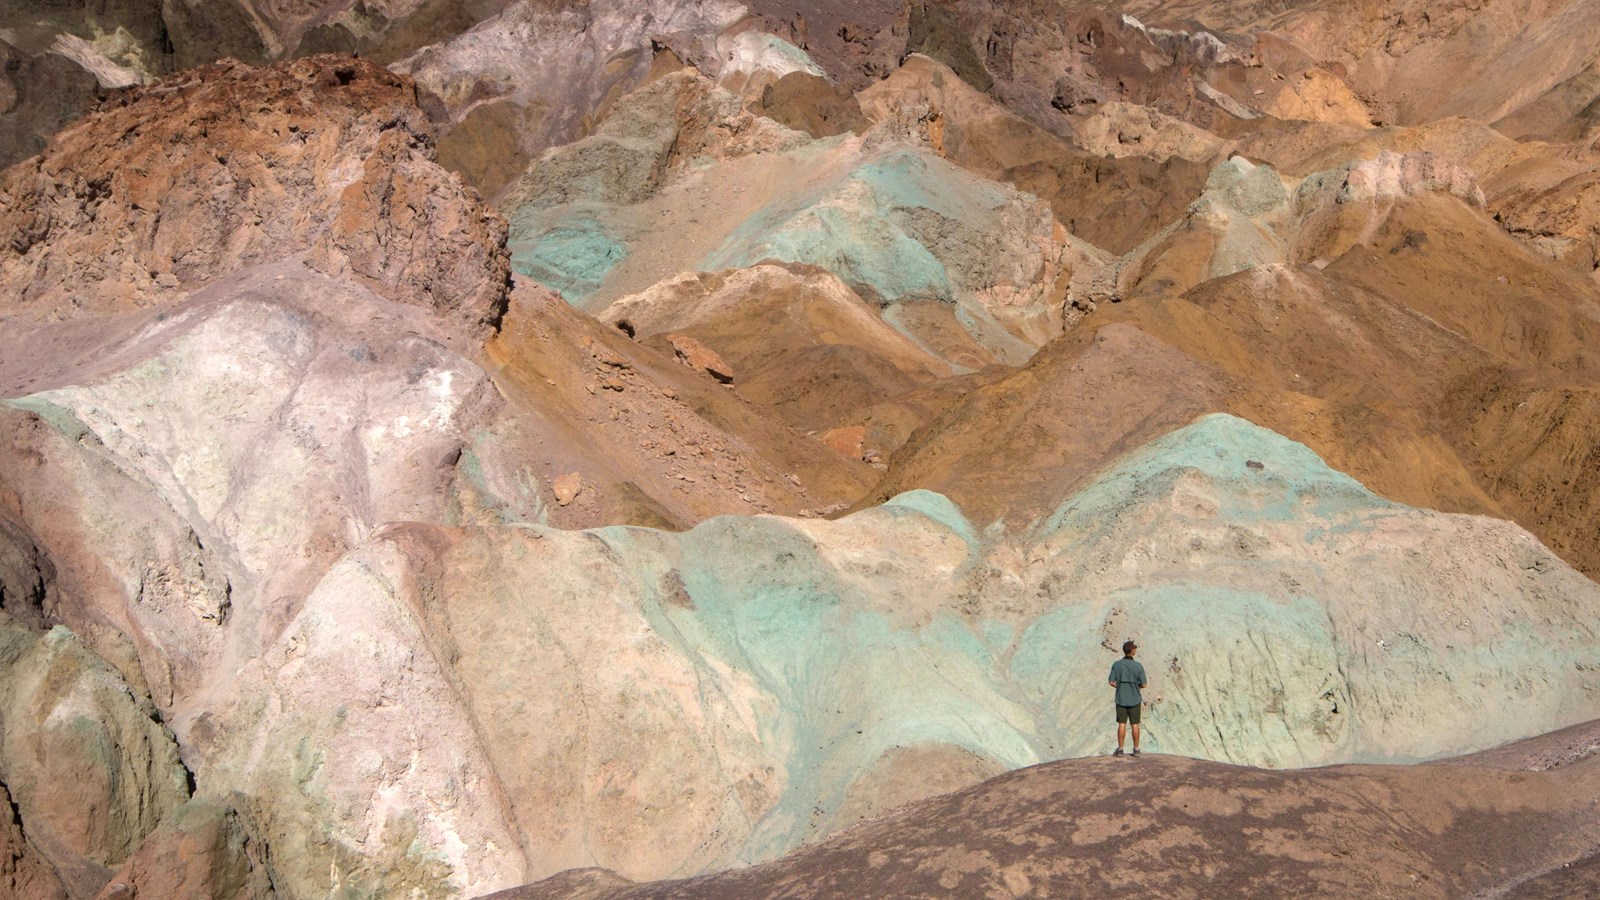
(190,497)
(664,704)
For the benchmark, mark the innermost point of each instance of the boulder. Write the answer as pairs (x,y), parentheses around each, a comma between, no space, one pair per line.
(699,357)
(567,487)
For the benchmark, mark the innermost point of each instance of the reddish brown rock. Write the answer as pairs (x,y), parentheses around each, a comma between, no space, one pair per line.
(167,187)
(1085,827)
(23,873)
(696,355)
(847,441)
(567,487)
(414,234)
(202,850)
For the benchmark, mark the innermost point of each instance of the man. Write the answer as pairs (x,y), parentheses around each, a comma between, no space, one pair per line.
(1127,676)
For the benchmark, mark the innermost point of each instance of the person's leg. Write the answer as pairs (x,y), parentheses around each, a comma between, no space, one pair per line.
(1136,737)
(1122,734)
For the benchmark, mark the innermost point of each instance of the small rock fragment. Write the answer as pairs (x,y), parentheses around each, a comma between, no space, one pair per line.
(567,488)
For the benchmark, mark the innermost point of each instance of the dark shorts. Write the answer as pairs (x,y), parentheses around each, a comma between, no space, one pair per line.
(1128,714)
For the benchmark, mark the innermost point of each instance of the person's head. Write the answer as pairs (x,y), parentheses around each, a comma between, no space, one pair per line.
(1128,648)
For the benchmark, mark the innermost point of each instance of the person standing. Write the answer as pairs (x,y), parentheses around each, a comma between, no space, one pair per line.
(1127,676)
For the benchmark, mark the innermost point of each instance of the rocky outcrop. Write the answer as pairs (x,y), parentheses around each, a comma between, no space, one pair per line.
(1328,837)
(201,849)
(699,357)
(676,121)
(167,188)
(811,104)
(558,66)
(1390,176)
(90,770)
(56,58)
(23,870)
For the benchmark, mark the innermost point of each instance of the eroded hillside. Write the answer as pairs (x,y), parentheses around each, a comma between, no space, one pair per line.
(669,438)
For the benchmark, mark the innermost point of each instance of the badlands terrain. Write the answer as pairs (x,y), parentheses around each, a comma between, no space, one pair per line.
(698,448)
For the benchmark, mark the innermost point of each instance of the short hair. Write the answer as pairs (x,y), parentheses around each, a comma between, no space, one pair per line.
(1128,647)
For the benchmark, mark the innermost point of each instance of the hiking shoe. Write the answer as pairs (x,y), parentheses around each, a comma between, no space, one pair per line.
(1118,753)
(1135,751)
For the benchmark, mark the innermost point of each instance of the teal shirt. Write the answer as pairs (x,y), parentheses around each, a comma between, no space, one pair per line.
(1129,676)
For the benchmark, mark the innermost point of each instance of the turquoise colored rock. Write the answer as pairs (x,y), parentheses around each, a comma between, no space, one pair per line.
(860,245)
(571,259)
(903,226)
(661,704)
(1261,475)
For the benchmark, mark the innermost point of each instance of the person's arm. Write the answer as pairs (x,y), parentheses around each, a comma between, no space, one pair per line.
(1112,678)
